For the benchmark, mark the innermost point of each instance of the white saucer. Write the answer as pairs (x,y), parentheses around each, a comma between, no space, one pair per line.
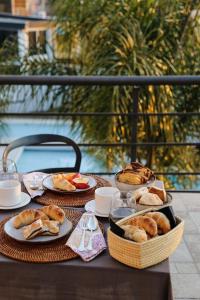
(90,207)
(25,199)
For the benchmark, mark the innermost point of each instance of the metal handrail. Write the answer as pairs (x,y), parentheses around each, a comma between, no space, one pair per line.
(134,81)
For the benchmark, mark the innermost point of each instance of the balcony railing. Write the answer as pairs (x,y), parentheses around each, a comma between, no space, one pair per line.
(136,82)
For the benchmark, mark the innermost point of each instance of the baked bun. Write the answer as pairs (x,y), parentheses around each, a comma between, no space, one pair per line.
(54,212)
(130,177)
(134,233)
(146,223)
(27,217)
(150,199)
(161,193)
(137,194)
(161,220)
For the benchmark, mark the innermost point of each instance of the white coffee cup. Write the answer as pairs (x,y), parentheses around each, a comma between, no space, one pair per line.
(103,199)
(10,192)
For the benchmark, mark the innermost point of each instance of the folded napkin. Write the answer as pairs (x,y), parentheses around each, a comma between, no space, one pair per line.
(33,179)
(98,241)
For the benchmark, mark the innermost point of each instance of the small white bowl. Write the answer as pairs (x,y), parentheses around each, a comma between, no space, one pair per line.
(132,187)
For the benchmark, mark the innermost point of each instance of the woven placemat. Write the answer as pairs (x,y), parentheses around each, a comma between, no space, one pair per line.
(73,200)
(50,252)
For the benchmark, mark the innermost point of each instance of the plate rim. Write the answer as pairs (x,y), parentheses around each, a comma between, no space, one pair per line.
(49,239)
(69,192)
(19,205)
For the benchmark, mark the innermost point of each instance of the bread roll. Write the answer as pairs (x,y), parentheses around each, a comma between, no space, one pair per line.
(161,220)
(130,177)
(54,212)
(134,233)
(150,199)
(27,217)
(146,223)
(161,193)
(137,194)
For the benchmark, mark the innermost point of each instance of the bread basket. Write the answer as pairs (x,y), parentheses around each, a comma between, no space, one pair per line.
(146,254)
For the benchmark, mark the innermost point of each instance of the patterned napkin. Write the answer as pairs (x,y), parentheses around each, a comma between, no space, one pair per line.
(33,179)
(98,241)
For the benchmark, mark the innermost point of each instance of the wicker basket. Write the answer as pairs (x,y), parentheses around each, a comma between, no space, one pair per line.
(149,253)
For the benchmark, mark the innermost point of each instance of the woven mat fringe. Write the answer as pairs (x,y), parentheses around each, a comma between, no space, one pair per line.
(71,200)
(39,253)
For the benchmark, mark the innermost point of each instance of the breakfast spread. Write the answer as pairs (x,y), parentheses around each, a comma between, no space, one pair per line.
(70,181)
(37,222)
(135,173)
(144,227)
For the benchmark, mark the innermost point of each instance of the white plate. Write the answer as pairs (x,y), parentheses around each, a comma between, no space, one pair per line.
(48,183)
(17,234)
(90,207)
(25,199)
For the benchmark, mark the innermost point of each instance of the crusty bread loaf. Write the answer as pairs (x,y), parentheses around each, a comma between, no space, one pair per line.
(161,193)
(146,223)
(27,217)
(161,220)
(150,199)
(54,212)
(134,233)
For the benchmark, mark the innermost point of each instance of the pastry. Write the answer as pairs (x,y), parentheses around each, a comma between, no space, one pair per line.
(134,173)
(161,220)
(27,217)
(60,182)
(54,212)
(137,194)
(33,230)
(150,199)
(134,233)
(50,227)
(161,193)
(146,223)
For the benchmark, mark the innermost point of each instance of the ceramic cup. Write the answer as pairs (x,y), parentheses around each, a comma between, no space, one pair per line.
(103,199)
(10,192)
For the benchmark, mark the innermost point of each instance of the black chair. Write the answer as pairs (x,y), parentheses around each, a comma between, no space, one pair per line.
(45,138)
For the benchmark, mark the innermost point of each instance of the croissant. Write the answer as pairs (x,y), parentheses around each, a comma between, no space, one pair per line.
(150,199)
(50,227)
(161,220)
(130,178)
(146,223)
(33,230)
(27,217)
(161,193)
(54,212)
(134,233)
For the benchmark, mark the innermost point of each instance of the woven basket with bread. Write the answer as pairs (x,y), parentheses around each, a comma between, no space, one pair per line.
(146,238)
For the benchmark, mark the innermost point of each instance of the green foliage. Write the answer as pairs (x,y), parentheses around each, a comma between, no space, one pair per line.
(127,37)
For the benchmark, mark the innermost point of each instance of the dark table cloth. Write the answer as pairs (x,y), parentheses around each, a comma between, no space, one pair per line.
(103,278)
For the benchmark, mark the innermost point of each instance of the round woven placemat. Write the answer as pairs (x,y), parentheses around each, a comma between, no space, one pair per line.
(73,200)
(38,253)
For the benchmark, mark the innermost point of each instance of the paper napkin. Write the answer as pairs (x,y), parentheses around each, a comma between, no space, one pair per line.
(34,178)
(98,241)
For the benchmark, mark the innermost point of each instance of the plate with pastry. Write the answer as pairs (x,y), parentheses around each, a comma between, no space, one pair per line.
(133,177)
(151,197)
(38,225)
(69,182)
